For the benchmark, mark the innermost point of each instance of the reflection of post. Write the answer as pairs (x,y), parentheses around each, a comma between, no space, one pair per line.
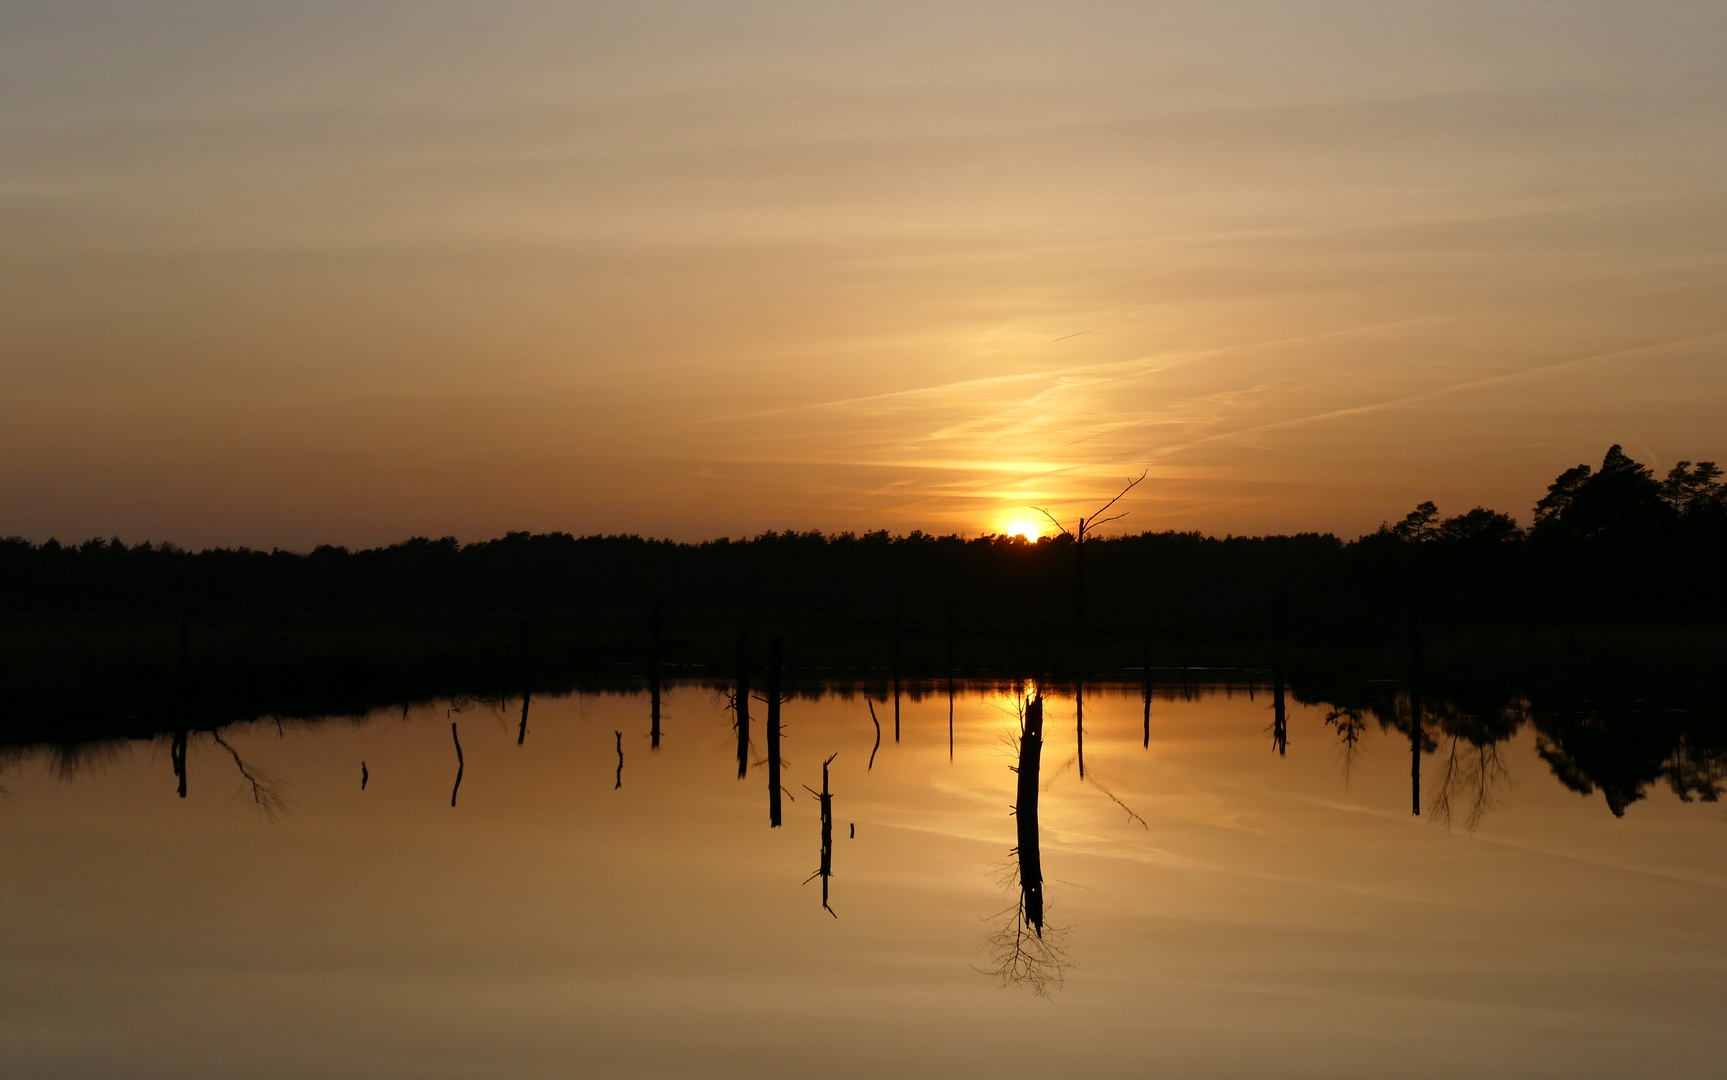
(950,716)
(741,703)
(1079,723)
(1146,693)
(177,756)
(618,782)
(1025,815)
(877,724)
(1416,729)
(826,869)
(774,733)
(950,635)
(896,631)
(654,677)
(459,764)
(527,680)
(1279,719)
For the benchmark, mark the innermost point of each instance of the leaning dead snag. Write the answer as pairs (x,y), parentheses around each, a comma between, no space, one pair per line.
(826,870)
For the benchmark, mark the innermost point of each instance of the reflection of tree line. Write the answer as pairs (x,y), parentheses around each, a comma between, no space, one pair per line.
(1615,739)
(1594,733)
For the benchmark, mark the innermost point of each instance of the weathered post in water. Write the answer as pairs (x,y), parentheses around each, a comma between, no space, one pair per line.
(741,702)
(896,635)
(950,637)
(1279,719)
(774,733)
(1079,723)
(654,676)
(1416,724)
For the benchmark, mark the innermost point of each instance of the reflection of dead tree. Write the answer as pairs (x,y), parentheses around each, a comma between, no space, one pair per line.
(619,782)
(1022,956)
(877,724)
(775,762)
(1350,723)
(266,791)
(826,870)
(1082,529)
(1022,950)
(1473,772)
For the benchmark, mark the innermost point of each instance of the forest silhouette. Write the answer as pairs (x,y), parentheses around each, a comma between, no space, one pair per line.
(1617,563)
(1611,543)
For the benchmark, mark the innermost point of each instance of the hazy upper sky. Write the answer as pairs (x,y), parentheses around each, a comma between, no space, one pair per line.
(287,272)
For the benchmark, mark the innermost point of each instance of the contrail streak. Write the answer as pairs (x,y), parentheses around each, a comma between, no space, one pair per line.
(1427,395)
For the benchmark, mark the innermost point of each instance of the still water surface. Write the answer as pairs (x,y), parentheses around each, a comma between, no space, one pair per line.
(1213,908)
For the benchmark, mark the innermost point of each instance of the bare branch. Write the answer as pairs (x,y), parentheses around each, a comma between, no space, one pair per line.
(1131,484)
(1059,526)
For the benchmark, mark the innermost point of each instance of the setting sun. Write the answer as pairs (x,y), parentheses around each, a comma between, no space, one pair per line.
(1025,528)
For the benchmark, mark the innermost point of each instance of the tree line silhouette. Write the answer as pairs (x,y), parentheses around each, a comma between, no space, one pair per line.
(1612,544)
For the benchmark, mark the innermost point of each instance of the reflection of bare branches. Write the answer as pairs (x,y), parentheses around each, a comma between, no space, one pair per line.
(1473,771)
(1021,954)
(266,791)
(1131,815)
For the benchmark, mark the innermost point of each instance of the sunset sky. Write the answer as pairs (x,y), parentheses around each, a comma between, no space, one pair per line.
(282,273)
